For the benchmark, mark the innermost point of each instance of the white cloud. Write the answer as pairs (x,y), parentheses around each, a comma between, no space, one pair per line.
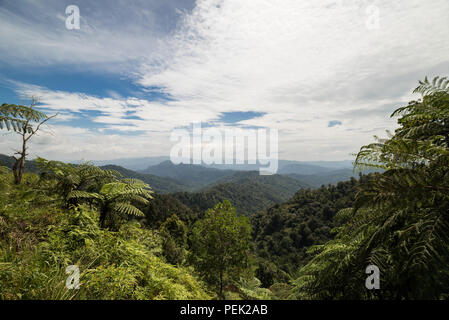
(303,63)
(112,37)
(67,143)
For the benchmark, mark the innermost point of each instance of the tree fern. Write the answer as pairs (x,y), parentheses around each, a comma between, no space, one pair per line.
(17,117)
(399,221)
(427,87)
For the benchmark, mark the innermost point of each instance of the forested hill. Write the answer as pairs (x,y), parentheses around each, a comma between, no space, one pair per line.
(284,232)
(249,192)
(8,161)
(158,184)
(325,178)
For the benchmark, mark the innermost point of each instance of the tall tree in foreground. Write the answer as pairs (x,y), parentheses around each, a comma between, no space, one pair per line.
(220,244)
(400,220)
(26,121)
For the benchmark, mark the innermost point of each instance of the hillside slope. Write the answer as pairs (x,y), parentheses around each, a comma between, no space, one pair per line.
(158,184)
(8,161)
(249,192)
(284,232)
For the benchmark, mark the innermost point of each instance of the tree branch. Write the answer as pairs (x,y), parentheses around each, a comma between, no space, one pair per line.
(33,132)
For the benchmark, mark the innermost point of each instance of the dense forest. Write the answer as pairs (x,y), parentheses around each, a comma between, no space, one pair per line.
(238,236)
(249,192)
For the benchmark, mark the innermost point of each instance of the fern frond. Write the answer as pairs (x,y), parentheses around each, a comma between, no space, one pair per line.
(128,209)
(79,194)
(427,87)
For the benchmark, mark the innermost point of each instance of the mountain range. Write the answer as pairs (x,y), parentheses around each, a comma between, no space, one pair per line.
(200,187)
(305,167)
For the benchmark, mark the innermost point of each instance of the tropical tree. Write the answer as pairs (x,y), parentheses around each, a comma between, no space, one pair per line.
(86,183)
(116,199)
(63,178)
(400,220)
(13,117)
(220,244)
(26,121)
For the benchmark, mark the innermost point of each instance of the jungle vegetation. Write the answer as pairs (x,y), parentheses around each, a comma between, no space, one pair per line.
(131,242)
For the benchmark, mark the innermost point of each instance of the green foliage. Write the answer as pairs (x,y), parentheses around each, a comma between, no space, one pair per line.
(191,176)
(17,118)
(66,179)
(284,232)
(161,185)
(4,177)
(30,165)
(115,199)
(21,119)
(163,206)
(281,291)
(438,84)
(220,245)
(174,233)
(399,221)
(37,243)
(248,192)
(80,215)
(250,289)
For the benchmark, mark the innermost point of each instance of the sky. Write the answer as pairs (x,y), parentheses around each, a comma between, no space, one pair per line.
(326,74)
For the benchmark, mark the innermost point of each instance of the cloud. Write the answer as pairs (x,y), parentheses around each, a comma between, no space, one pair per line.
(68,143)
(296,64)
(112,38)
(301,63)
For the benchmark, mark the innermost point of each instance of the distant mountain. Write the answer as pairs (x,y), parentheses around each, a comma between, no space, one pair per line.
(8,161)
(348,164)
(141,164)
(196,176)
(330,177)
(325,178)
(249,192)
(158,184)
(302,168)
(136,164)
(200,176)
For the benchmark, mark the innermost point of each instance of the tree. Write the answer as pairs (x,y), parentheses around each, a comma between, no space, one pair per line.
(21,119)
(86,183)
(63,178)
(13,117)
(399,221)
(174,233)
(220,244)
(116,199)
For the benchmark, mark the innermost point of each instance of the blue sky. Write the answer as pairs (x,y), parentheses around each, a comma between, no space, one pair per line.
(326,74)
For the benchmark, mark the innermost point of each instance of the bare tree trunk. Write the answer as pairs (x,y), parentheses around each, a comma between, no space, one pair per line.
(19,164)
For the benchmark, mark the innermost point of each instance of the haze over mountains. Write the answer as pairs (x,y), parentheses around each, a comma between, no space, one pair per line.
(310,174)
(307,167)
